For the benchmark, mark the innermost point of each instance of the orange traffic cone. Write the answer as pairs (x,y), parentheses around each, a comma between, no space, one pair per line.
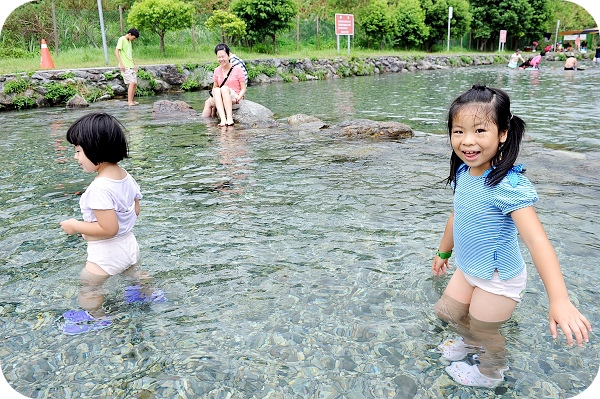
(46,61)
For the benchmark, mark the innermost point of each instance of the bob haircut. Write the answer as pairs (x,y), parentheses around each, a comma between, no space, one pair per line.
(222,46)
(494,104)
(100,136)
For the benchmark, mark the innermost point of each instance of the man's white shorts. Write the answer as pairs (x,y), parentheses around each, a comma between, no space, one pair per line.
(129,76)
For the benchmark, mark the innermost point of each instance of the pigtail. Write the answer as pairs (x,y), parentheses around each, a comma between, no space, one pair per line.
(507,154)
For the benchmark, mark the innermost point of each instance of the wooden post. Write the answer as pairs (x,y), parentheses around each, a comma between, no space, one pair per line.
(121,20)
(318,42)
(297,32)
(193,37)
(55,29)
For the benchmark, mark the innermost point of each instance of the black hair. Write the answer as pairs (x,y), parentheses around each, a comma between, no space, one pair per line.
(499,113)
(134,32)
(100,136)
(222,46)
(542,53)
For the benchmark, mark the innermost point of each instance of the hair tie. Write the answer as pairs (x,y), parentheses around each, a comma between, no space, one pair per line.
(511,116)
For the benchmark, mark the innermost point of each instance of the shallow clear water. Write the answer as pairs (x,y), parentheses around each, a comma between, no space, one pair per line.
(296,264)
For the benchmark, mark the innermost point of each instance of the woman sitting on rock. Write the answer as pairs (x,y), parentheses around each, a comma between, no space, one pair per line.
(228,89)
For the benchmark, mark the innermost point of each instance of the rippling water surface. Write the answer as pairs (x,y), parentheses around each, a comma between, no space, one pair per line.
(296,264)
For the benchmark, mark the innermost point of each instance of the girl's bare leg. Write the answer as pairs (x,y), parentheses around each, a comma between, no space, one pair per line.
(477,315)
(91,294)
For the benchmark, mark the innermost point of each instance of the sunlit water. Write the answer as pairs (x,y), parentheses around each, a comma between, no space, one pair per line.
(296,264)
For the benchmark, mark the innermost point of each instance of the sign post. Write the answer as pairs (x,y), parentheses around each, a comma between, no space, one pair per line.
(502,40)
(344,25)
(556,35)
(450,9)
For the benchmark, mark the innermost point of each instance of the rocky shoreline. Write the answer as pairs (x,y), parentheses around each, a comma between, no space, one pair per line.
(79,87)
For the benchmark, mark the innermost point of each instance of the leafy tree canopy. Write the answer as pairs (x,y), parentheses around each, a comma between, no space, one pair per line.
(229,24)
(436,18)
(160,16)
(376,21)
(265,18)
(410,29)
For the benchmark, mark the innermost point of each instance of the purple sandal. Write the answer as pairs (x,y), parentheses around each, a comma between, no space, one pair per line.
(134,294)
(80,321)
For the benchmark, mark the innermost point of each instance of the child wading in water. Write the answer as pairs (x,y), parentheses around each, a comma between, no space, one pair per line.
(493,201)
(110,207)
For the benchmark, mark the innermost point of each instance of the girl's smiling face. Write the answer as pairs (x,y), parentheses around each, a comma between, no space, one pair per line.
(475,137)
(83,161)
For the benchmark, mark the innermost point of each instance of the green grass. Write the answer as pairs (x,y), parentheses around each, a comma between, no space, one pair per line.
(147,54)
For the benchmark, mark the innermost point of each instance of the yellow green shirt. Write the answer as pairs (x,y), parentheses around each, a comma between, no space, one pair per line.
(126,52)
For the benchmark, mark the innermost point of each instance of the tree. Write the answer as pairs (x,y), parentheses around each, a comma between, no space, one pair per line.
(229,24)
(570,15)
(307,8)
(436,18)
(265,18)
(160,16)
(520,18)
(376,22)
(409,28)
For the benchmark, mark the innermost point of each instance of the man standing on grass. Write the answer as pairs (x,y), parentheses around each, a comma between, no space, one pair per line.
(124,53)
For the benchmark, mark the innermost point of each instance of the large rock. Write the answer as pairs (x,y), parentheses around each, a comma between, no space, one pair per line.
(253,115)
(173,109)
(369,128)
(300,119)
(77,102)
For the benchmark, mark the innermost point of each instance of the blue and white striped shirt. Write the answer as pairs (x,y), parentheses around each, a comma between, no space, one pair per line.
(485,236)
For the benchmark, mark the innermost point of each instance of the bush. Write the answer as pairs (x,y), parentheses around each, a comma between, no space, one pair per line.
(59,93)
(16,86)
(190,84)
(23,102)
(68,75)
(15,52)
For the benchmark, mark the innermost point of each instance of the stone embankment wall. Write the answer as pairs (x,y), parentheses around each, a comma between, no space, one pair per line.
(57,87)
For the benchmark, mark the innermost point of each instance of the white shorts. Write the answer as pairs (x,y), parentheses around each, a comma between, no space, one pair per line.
(511,288)
(114,255)
(129,76)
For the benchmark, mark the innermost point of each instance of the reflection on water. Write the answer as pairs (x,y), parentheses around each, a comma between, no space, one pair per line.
(296,265)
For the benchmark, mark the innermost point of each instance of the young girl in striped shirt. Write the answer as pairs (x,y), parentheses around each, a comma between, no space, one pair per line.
(493,202)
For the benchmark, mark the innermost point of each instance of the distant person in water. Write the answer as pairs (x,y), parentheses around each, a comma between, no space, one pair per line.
(571,62)
(514,59)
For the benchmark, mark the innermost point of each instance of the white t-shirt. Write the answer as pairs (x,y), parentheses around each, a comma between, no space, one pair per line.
(104,193)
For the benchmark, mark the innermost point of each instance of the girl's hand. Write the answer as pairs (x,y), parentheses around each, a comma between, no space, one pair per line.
(440,266)
(566,315)
(68,226)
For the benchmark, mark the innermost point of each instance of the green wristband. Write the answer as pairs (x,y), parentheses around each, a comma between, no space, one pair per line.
(444,255)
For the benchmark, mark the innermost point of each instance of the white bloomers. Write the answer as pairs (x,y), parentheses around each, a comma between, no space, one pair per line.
(511,288)
(114,255)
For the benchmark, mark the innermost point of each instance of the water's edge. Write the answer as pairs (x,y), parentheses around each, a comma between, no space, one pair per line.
(56,87)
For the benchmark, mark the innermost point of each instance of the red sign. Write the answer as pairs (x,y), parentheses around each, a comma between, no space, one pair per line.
(344,24)
(502,36)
